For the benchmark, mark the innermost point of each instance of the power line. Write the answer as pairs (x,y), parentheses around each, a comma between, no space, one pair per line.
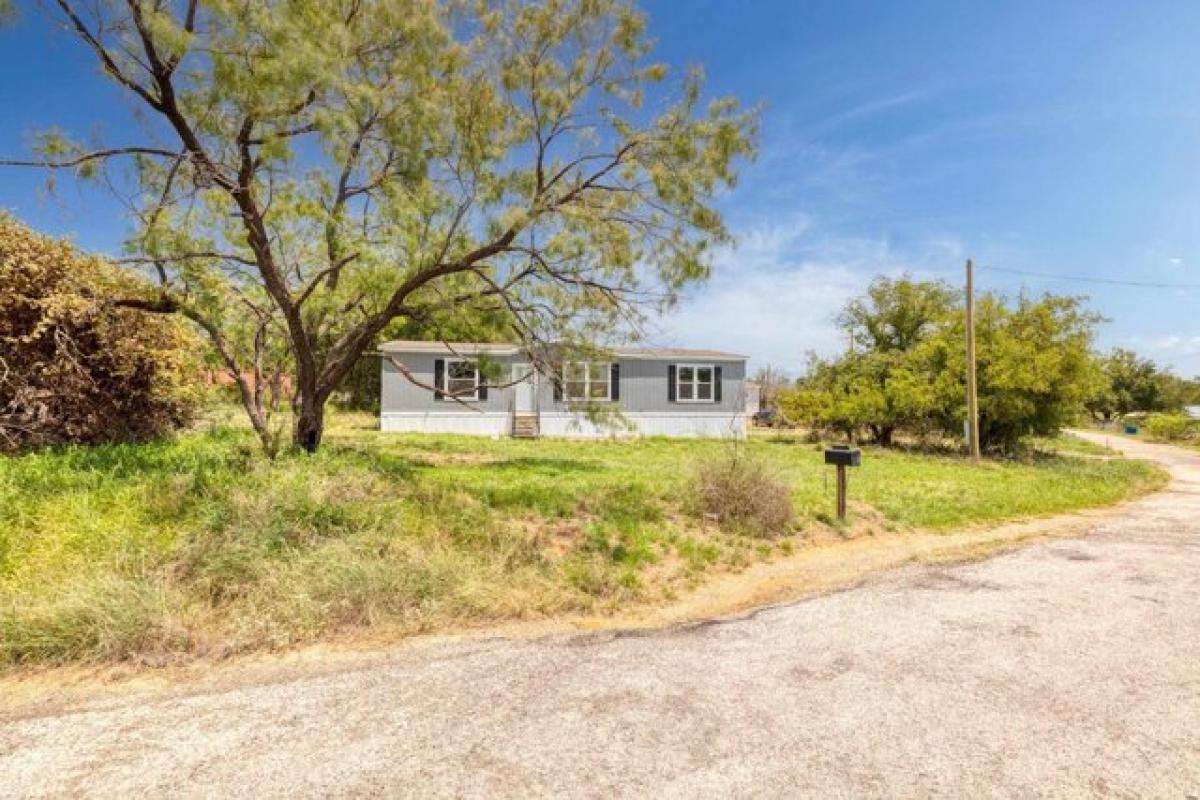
(1085,279)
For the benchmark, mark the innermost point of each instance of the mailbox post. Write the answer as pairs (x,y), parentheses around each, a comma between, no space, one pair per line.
(842,456)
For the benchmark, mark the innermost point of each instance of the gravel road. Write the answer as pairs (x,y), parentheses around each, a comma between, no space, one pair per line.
(1070,668)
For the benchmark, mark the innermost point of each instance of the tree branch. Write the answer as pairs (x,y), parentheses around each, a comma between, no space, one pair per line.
(106,59)
(92,156)
(164,304)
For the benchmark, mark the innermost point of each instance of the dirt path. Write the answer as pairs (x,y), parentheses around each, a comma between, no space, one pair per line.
(1068,668)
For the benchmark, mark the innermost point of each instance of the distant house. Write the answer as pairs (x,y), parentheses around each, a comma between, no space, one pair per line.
(438,387)
(1192,411)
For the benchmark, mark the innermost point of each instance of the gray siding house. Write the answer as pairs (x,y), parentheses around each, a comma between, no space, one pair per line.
(438,388)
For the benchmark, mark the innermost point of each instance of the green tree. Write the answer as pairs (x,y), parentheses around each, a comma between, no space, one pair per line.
(1174,392)
(1035,365)
(879,393)
(315,169)
(1130,383)
(1189,391)
(906,373)
(882,385)
(896,314)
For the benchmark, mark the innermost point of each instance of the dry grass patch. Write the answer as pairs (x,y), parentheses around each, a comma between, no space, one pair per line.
(745,492)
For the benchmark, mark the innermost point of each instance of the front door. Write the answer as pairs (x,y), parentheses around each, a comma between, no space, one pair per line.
(524,387)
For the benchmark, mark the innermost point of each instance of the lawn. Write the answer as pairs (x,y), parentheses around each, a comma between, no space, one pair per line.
(200,546)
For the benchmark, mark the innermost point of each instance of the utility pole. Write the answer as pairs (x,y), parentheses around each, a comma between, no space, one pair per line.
(972,387)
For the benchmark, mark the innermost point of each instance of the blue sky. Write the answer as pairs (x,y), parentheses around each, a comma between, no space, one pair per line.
(1058,138)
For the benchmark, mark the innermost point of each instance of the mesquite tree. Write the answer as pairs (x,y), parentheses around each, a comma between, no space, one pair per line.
(314,169)
(906,372)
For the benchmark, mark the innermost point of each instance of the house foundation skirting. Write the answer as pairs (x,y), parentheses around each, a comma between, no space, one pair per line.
(570,425)
(646,423)
(479,423)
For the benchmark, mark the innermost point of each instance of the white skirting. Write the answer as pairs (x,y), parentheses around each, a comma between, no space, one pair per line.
(571,425)
(480,423)
(646,423)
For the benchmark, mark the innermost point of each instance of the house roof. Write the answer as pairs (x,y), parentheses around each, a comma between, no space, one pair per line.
(450,348)
(483,348)
(676,352)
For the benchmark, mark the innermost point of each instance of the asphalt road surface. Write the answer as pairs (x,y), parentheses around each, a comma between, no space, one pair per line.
(1070,668)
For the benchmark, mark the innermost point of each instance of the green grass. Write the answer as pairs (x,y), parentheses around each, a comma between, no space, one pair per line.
(200,545)
(1065,444)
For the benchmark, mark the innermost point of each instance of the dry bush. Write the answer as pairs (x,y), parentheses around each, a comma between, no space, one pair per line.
(77,366)
(745,493)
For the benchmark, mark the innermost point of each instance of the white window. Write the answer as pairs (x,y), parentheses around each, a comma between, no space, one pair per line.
(461,381)
(694,383)
(585,380)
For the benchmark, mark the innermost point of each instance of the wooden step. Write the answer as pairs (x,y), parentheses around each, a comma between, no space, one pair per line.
(525,426)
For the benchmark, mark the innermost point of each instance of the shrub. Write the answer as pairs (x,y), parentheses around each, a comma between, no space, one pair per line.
(1172,427)
(743,492)
(77,363)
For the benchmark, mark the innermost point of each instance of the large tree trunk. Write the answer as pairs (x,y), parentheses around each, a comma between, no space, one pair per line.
(310,422)
(313,393)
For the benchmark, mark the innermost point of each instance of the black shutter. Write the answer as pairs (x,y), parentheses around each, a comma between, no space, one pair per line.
(615,382)
(716,384)
(439,378)
(482,385)
(556,379)
(671,383)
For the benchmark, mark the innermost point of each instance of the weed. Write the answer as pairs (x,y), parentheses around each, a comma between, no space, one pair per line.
(199,544)
(744,493)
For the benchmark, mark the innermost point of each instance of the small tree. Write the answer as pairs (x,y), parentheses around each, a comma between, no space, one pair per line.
(315,169)
(1130,383)
(79,362)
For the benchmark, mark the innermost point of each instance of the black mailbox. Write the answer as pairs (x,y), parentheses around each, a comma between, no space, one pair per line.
(843,456)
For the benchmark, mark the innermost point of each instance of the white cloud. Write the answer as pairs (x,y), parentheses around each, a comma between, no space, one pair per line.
(775,295)
(869,108)
(774,318)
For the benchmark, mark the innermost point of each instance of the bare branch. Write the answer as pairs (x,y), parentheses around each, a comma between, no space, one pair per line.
(95,155)
(190,256)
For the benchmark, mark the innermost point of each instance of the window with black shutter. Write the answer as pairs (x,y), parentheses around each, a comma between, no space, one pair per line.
(457,379)
(694,383)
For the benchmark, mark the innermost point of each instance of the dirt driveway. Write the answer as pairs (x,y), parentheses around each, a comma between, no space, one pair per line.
(1068,668)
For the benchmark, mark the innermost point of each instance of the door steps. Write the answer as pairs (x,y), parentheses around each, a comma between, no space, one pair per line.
(525,426)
